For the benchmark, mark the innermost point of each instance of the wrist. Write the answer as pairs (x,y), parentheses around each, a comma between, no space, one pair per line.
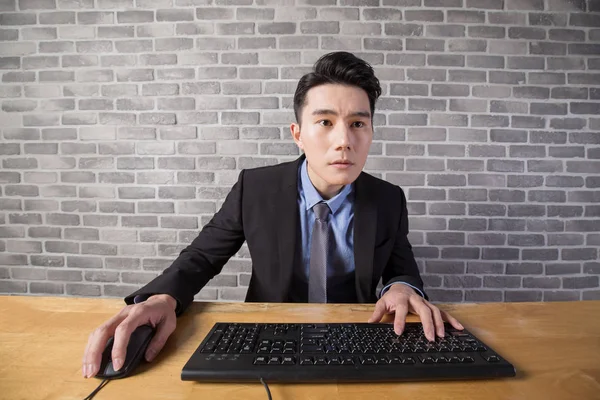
(401,288)
(170,300)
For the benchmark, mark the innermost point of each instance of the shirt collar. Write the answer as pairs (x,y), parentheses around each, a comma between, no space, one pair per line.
(312,196)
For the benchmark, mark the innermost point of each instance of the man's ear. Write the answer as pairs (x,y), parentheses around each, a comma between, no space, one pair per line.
(295,130)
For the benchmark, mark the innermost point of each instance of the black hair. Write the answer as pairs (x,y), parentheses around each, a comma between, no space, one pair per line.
(338,67)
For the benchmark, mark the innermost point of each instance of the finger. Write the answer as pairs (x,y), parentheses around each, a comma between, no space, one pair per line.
(426,319)
(96,344)
(453,321)
(85,352)
(379,312)
(121,339)
(400,318)
(163,331)
(437,319)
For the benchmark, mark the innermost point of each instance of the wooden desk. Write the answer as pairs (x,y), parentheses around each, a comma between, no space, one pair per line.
(555,348)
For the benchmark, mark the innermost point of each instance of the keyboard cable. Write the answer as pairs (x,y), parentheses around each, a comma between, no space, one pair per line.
(100,386)
(266,388)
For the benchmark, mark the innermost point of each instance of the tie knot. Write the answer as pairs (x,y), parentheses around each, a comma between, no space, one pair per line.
(321,211)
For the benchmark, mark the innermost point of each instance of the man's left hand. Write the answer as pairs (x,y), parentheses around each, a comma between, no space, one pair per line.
(402,299)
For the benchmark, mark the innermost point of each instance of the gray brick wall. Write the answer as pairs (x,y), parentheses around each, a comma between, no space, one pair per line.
(124,123)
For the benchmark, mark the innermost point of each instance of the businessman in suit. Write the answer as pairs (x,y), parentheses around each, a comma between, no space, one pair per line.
(318,228)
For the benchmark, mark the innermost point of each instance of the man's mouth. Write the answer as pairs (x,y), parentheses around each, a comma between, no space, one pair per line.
(342,162)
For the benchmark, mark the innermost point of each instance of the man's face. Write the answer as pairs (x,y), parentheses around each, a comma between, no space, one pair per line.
(335,135)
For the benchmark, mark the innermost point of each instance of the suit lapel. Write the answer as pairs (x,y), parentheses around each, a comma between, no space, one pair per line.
(286,219)
(365,224)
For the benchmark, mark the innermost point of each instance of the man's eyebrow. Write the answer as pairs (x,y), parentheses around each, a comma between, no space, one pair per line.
(325,111)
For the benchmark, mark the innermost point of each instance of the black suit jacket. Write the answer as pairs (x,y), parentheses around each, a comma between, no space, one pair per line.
(262,208)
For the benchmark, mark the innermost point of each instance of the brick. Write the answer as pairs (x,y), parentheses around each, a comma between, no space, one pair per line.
(487,32)
(567,35)
(585,108)
(565,63)
(565,211)
(548,109)
(496,210)
(408,119)
(527,151)
(173,44)
(414,44)
(545,225)
(524,181)
(507,47)
(449,119)
(470,224)
(383,44)
(566,151)
(465,165)
(399,29)
(46,288)
(526,33)
(417,104)
(584,19)
(446,180)
(547,48)
(409,89)
(514,78)
(382,13)
(488,120)
(503,253)
(580,78)
(467,45)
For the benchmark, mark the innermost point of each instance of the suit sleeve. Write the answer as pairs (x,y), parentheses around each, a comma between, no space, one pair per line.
(205,257)
(402,267)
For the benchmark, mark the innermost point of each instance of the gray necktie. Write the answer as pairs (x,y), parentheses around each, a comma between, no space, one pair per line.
(317,280)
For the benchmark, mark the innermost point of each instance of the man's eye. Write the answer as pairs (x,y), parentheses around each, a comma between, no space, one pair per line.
(360,124)
(325,122)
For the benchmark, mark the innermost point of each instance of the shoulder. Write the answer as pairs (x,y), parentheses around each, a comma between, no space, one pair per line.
(271,178)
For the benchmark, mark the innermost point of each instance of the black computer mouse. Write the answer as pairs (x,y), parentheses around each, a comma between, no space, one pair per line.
(136,349)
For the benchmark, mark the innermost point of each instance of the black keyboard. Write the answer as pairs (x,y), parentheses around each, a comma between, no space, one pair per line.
(352,352)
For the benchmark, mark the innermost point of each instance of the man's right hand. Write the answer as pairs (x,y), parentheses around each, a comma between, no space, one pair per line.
(157,311)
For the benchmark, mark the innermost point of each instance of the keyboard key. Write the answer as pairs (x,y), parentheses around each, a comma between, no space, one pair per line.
(260,360)
(321,360)
(274,360)
(347,360)
(306,360)
(246,349)
(382,360)
(368,360)
(311,349)
(289,360)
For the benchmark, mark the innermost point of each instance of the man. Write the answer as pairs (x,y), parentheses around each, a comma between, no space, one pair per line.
(318,228)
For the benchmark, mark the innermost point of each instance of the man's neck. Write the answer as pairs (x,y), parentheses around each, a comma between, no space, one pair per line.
(326,190)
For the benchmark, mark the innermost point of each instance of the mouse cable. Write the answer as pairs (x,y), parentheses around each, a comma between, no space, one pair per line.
(100,386)
(266,388)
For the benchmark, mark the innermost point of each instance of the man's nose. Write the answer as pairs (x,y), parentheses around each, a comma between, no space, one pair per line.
(342,138)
